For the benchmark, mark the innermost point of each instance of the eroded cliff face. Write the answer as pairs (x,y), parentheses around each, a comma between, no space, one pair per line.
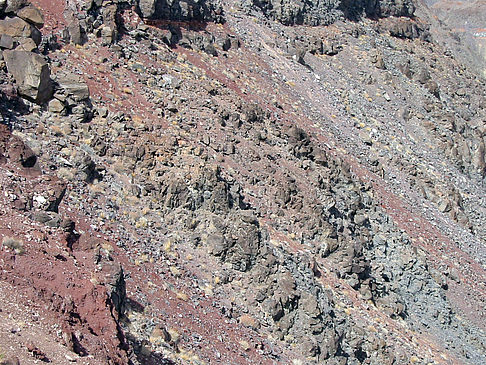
(225,188)
(328,11)
(181,10)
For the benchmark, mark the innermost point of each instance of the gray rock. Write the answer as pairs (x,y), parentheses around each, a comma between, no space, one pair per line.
(386,8)
(19,28)
(26,44)
(117,287)
(405,29)
(318,12)
(73,86)
(50,219)
(147,7)
(181,10)
(31,73)
(12,360)
(6,41)
(14,5)
(76,33)
(31,15)
(56,106)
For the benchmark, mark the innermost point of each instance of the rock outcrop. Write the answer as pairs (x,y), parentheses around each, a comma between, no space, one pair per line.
(181,10)
(327,12)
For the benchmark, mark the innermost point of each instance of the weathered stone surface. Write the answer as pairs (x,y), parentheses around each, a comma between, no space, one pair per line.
(26,44)
(56,106)
(386,8)
(72,85)
(77,35)
(115,282)
(147,7)
(32,15)
(181,10)
(6,41)
(310,253)
(21,154)
(14,5)
(10,361)
(19,28)
(31,73)
(318,12)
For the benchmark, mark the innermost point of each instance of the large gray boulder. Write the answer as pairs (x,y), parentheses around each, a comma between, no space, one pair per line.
(31,73)
(385,8)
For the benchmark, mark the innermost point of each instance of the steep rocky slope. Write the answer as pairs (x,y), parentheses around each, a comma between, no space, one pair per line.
(464,21)
(240,182)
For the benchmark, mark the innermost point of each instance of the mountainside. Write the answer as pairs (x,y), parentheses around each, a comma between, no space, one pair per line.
(464,21)
(241,182)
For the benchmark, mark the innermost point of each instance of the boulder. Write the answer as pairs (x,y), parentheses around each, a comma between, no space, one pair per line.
(114,280)
(147,8)
(26,44)
(14,5)
(73,86)
(406,29)
(20,154)
(397,8)
(31,73)
(19,28)
(31,15)
(56,106)
(77,34)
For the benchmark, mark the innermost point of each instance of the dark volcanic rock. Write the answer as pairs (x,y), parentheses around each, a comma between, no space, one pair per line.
(320,12)
(181,10)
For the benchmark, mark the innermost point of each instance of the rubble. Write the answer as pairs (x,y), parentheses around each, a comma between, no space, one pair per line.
(206,185)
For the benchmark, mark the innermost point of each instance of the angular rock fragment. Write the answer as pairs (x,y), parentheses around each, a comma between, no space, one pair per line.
(31,15)
(6,41)
(76,33)
(72,86)
(31,73)
(19,28)
(14,5)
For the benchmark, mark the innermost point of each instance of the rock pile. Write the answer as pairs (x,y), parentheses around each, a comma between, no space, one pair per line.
(19,38)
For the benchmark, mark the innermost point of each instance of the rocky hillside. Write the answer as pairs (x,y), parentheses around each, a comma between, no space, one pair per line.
(464,22)
(239,182)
